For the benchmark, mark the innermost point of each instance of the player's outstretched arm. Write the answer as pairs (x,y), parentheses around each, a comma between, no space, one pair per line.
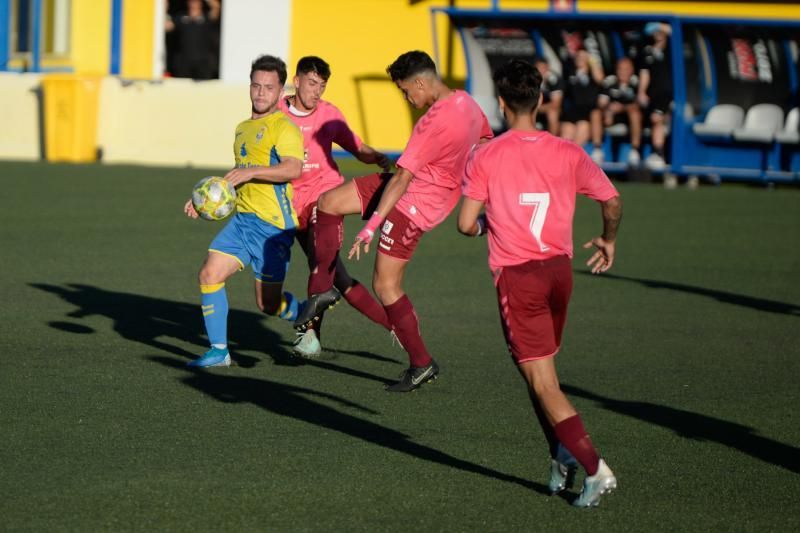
(470,220)
(189,209)
(603,257)
(287,170)
(369,155)
(395,188)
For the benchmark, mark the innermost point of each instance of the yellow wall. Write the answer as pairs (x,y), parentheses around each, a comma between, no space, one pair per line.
(360,38)
(138,19)
(90,48)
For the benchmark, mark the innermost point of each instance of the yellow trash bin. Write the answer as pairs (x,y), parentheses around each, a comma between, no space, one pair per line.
(70,117)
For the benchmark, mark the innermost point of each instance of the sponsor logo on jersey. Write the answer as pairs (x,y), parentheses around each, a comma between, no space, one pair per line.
(243,150)
(387,227)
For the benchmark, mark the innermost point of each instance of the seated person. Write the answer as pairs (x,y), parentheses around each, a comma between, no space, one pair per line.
(581,119)
(549,112)
(620,104)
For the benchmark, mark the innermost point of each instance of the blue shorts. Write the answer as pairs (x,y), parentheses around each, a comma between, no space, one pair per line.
(251,241)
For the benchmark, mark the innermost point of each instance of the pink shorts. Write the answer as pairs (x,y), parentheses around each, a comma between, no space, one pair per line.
(399,235)
(533,299)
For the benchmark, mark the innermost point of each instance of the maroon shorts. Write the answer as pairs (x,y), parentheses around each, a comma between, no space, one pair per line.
(399,235)
(533,299)
(306,216)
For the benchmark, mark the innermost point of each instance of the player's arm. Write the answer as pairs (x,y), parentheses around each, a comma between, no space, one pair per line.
(369,155)
(471,222)
(288,169)
(603,257)
(395,188)
(644,83)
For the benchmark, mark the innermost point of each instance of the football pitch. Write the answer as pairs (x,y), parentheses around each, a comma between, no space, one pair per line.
(683,360)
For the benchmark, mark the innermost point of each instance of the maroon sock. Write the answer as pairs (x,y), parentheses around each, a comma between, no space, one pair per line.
(575,439)
(328,234)
(359,297)
(406,326)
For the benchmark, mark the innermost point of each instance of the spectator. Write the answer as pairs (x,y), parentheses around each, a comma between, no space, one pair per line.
(193,39)
(581,119)
(549,113)
(619,101)
(655,88)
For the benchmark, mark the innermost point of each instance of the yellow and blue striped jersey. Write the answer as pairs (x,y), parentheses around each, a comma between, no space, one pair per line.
(264,142)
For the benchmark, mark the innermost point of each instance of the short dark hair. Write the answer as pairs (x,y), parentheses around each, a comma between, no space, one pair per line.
(313,64)
(409,64)
(519,84)
(269,63)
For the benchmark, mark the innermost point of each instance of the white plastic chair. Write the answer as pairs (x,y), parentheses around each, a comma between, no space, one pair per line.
(761,124)
(790,134)
(720,121)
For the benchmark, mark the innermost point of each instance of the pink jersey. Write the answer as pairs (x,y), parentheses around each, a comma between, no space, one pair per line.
(528,181)
(320,128)
(436,154)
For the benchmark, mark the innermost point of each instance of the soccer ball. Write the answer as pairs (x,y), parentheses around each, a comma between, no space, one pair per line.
(213,198)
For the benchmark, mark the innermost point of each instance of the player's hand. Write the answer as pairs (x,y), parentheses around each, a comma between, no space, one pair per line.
(383,161)
(603,257)
(189,209)
(237,176)
(355,250)
(644,100)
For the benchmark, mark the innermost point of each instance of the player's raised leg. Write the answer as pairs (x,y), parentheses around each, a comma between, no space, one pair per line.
(328,231)
(216,269)
(387,283)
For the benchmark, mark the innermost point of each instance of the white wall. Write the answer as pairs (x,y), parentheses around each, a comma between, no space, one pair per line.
(19,115)
(251,28)
(177,122)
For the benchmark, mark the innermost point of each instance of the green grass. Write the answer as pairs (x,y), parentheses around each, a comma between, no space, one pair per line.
(683,361)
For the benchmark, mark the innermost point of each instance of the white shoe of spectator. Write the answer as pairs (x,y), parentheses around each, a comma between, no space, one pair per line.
(598,156)
(634,158)
(692,182)
(655,162)
(670,181)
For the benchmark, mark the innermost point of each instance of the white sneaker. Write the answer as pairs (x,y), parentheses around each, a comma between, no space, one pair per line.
(602,482)
(655,162)
(692,182)
(307,345)
(670,181)
(598,156)
(634,158)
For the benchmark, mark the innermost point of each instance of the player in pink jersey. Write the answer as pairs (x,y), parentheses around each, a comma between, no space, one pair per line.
(322,125)
(527,181)
(403,205)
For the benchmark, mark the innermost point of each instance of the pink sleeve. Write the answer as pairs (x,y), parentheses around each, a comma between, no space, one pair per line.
(424,145)
(344,136)
(486,129)
(590,180)
(476,183)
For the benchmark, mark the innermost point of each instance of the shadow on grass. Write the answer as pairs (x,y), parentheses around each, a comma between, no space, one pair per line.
(298,403)
(759,304)
(700,427)
(151,321)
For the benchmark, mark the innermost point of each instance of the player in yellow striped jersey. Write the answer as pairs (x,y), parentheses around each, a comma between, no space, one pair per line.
(268,150)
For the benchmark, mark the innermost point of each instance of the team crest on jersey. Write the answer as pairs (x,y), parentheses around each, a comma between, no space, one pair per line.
(243,150)
(260,134)
(387,227)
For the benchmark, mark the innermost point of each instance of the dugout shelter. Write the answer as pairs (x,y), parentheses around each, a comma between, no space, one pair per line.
(735,81)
